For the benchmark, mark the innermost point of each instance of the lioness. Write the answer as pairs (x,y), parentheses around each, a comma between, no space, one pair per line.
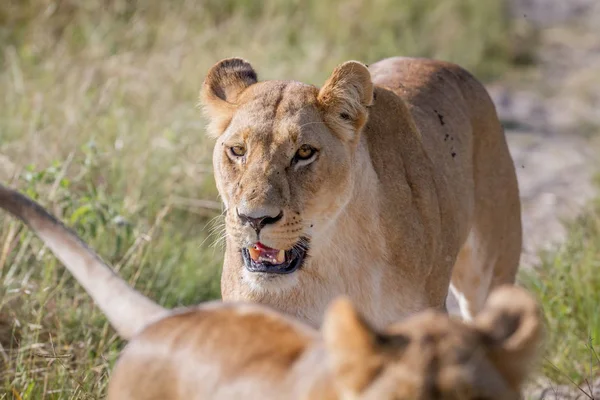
(243,351)
(382,185)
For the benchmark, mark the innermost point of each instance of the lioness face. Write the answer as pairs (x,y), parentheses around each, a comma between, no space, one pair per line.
(283,160)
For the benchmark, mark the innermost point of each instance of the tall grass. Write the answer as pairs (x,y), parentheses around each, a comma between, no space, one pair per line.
(97,121)
(567,283)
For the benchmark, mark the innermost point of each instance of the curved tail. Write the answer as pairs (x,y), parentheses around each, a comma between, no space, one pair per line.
(127,310)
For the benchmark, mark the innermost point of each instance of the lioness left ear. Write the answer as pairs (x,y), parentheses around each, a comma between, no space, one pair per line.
(511,328)
(345,98)
(224,82)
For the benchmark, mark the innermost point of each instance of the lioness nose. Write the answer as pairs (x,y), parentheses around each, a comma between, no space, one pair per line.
(258,219)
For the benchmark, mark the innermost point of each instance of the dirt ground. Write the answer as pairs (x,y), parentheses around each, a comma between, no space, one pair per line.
(551,118)
(552,124)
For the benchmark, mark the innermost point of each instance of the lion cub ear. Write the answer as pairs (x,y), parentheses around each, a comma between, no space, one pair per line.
(224,82)
(512,330)
(345,98)
(351,346)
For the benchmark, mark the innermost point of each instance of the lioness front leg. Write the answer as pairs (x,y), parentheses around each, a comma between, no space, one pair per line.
(479,269)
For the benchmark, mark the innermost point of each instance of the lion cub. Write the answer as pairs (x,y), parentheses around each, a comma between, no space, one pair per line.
(233,350)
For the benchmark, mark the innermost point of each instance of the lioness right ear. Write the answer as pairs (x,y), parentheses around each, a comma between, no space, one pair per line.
(224,82)
(511,328)
(345,98)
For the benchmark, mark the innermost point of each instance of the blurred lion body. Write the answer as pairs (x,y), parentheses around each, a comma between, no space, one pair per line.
(412,189)
(223,351)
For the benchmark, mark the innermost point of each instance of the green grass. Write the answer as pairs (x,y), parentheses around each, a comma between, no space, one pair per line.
(567,285)
(59,343)
(98,122)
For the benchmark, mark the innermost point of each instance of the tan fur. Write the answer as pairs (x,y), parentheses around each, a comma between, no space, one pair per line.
(232,351)
(247,351)
(413,187)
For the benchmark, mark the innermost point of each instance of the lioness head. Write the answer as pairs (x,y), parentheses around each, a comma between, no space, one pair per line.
(432,356)
(282,159)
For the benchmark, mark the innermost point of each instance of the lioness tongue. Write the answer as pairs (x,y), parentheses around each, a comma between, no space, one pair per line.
(261,253)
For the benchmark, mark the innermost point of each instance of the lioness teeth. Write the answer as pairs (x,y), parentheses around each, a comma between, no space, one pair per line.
(259,253)
(254,253)
(280,257)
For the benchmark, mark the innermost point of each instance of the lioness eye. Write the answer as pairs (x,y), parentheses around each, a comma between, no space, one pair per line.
(238,151)
(305,152)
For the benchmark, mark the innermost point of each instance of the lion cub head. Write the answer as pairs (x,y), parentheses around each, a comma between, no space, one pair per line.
(283,158)
(432,356)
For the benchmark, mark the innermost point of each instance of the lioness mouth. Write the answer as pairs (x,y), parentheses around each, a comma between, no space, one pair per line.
(260,258)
